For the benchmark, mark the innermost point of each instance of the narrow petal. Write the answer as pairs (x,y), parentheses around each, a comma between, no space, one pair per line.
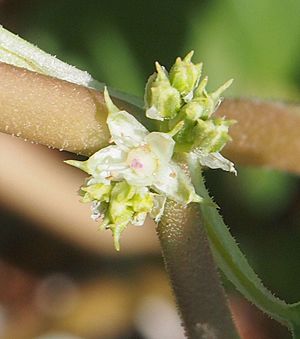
(215,160)
(112,108)
(125,130)
(79,164)
(161,144)
(175,184)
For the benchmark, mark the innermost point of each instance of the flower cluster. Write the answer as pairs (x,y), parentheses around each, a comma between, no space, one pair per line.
(133,177)
(180,97)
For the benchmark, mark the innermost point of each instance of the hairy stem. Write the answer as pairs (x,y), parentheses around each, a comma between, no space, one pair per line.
(266,133)
(66,116)
(200,297)
(53,112)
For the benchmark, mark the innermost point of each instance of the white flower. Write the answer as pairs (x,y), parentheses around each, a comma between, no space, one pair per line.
(134,177)
(214,160)
(139,157)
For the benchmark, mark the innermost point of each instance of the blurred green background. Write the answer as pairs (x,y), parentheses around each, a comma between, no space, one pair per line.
(256,42)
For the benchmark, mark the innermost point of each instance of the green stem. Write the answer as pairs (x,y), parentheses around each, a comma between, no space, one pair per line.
(234,264)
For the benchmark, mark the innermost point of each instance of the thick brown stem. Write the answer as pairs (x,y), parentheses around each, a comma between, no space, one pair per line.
(52,112)
(266,133)
(195,280)
(60,114)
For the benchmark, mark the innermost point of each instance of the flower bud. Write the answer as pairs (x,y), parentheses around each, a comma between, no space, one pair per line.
(211,135)
(198,108)
(184,75)
(209,102)
(162,100)
(99,192)
(185,137)
(127,204)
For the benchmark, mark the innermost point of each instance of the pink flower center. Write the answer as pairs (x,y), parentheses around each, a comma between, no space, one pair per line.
(141,161)
(136,164)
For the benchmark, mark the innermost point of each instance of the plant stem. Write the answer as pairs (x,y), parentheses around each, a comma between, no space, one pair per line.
(67,116)
(234,264)
(266,133)
(53,112)
(195,280)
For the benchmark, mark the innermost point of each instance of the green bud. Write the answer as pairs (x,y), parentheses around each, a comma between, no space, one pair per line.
(198,108)
(209,102)
(185,137)
(161,99)
(203,105)
(184,75)
(122,192)
(119,213)
(120,223)
(126,204)
(99,192)
(211,135)
(200,91)
(142,202)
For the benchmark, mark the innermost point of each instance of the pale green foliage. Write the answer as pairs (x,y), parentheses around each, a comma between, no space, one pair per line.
(18,52)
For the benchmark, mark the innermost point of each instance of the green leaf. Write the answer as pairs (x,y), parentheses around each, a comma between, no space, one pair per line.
(234,264)
(18,52)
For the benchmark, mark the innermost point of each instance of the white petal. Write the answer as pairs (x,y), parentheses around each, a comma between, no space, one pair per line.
(161,144)
(135,179)
(95,208)
(189,96)
(174,183)
(111,158)
(139,219)
(153,113)
(215,160)
(125,130)
(158,207)
(109,161)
